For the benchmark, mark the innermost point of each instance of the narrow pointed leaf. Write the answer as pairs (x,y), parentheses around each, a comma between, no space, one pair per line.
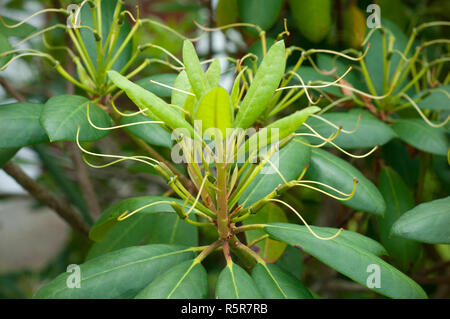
(213,73)
(194,71)
(263,86)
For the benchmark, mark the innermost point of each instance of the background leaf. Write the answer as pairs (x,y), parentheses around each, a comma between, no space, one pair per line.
(153,134)
(235,283)
(428,222)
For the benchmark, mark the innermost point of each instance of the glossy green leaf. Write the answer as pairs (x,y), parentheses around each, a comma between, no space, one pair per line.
(153,134)
(257,49)
(398,200)
(270,250)
(197,78)
(333,171)
(292,159)
(157,109)
(119,274)
(62,114)
(235,283)
(214,110)
(419,134)
(292,261)
(263,86)
(20,125)
(349,258)
(435,99)
(312,18)
(428,222)
(158,90)
(263,13)
(276,283)
(213,73)
(6,154)
(184,281)
(370,131)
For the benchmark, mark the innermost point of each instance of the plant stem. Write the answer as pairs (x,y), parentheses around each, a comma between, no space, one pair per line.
(222,202)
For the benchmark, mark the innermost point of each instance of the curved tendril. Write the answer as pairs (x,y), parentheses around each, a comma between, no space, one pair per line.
(339,127)
(276,169)
(171,30)
(337,102)
(127,12)
(126,114)
(231,25)
(431,24)
(339,148)
(342,54)
(118,126)
(198,195)
(40,32)
(325,140)
(143,159)
(327,84)
(304,221)
(416,107)
(12,26)
(324,72)
(126,215)
(104,165)
(150,45)
(44,55)
(375,97)
(350,196)
(304,86)
(172,88)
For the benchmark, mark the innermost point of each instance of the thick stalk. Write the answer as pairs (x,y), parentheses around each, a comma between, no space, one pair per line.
(222,202)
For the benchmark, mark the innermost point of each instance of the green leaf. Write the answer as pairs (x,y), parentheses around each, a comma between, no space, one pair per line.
(194,71)
(4,47)
(292,159)
(153,134)
(235,283)
(158,90)
(213,73)
(428,222)
(257,49)
(263,13)
(276,283)
(119,274)
(349,258)
(157,109)
(62,114)
(435,99)
(333,171)
(214,110)
(269,249)
(187,280)
(419,134)
(312,18)
(370,131)
(263,86)
(21,31)
(398,199)
(20,126)
(108,219)
(327,62)
(6,154)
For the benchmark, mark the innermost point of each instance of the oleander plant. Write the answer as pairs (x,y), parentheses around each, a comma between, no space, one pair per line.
(306,156)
